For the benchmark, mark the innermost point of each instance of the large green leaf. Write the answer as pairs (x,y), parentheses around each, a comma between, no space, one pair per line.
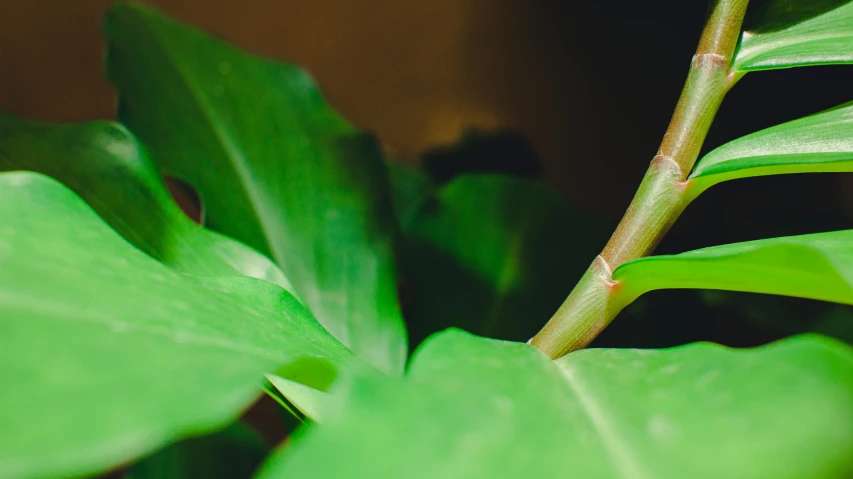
(790,33)
(106,166)
(107,353)
(815,266)
(499,252)
(276,168)
(233,453)
(478,408)
(818,143)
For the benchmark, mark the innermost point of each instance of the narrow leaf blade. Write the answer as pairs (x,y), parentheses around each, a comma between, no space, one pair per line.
(311,402)
(819,143)
(791,33)
(817,266)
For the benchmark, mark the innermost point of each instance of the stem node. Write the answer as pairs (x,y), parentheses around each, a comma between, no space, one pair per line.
(663,193)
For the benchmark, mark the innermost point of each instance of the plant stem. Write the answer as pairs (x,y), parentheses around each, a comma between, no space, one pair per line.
(660,198)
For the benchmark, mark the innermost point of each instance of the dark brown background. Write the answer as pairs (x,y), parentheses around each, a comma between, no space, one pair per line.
(591,85)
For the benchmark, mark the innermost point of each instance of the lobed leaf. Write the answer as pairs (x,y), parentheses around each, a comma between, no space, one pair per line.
(277,168)
(816,266)
(479,408)
(105,165)
(791,33)
(822,142)
(108,354)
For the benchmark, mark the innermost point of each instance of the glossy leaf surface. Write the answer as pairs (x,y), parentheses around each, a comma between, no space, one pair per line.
(816,266)
(790,33)
(818,143)
(233,453)
(108,353)
(107,167)
(478,408)
(500,254)
(276,168)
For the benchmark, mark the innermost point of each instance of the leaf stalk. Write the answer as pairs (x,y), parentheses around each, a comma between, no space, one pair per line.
(663,193)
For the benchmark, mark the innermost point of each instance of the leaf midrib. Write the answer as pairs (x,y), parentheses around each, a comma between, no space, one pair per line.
(628,466)
(229,147)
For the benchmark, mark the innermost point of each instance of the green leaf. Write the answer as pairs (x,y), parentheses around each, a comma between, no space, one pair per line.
(107,167)
(819,143)
(410,188)
(499,252)
(276,168)
(478,408)
(791,33)
(815,266)
(311,402)
(233,453)
(108,354)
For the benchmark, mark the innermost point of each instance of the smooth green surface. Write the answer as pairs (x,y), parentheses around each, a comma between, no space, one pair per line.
(493,255)
(479,408)
(105,165)
(790,33)
(233,453)
(107,353)
(816,266)
(276,168)
(818,143)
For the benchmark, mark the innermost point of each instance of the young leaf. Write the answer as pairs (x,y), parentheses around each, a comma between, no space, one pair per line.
(478,408)
(277,168)
(104,164)
(233,453)
(108,354)
(818,143)
(815,266)
(499,252)
(790,33)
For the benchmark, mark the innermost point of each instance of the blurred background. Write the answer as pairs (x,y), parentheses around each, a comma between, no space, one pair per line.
(585,88)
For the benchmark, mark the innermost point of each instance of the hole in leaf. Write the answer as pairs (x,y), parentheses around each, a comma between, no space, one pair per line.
(187,198)
(272,422)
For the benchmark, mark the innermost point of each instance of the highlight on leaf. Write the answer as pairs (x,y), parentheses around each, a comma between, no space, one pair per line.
(819,143)
(792,33)
(816,266)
